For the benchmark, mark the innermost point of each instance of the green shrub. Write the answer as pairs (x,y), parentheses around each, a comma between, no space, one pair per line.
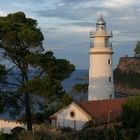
(89,124)
(131,112)
(17,130)
(95,133)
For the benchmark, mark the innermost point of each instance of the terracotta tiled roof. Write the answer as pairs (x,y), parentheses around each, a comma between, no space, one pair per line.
(103,110)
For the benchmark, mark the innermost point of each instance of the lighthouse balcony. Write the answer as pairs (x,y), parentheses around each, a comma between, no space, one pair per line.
(108,45)
(101,33)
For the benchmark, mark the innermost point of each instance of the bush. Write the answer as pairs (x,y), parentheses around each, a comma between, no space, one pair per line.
(89,124)
(66,129)
(95,133)
(17,130)
(2,137)
(130,79)
(131,112)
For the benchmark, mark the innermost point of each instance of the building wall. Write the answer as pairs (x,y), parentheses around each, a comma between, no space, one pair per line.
(100,74)
(64,118)
(6,126)
(99,65)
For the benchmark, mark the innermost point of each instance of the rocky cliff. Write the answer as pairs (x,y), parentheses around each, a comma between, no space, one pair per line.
(129,64)
(127,76)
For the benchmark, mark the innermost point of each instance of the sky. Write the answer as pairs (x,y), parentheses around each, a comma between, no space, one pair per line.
(66,25)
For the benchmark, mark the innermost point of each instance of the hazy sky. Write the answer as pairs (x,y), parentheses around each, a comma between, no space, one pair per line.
(66,24)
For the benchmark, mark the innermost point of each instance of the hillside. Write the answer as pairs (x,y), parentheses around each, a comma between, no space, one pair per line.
(129,64)
(127,76)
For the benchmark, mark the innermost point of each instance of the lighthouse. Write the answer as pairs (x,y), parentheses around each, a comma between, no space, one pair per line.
(100,71)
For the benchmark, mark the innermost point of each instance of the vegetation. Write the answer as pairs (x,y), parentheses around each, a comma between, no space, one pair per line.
(64,101)
(131,112)
(130,79)
(137,49)
(30,77)
(113,132)
(80,90)
(89,124)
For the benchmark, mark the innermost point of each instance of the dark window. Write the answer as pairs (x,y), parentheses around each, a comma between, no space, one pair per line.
(109,79)
(110,96)
(72,114)
(109,61)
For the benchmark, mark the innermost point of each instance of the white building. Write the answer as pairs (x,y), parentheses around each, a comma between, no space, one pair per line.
(7,125)
(76,115)
(100,71)
(72,116)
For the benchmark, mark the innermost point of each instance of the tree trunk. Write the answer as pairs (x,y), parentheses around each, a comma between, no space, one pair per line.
(27,103)
(28,112)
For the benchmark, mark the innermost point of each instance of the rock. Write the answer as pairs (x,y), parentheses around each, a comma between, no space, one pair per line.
(128,65)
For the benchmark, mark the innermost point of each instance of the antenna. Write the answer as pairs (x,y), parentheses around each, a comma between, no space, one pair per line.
(101,11)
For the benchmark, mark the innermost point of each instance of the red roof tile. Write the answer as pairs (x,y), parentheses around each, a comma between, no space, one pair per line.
(103,110)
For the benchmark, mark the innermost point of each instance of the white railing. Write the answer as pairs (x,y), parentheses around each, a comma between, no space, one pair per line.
(106,33)
(109,45)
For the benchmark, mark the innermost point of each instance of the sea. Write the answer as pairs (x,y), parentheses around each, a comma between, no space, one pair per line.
(77,77)
(80,77)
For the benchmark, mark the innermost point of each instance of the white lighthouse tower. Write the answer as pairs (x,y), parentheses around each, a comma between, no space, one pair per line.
(100,72)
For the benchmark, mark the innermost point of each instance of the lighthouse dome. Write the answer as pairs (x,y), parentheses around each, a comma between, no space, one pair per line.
(101,20)
(101,24)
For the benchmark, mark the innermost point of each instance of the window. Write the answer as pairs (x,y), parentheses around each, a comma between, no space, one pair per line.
(110,96)
(109,61)
(72,114)
(109,79)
